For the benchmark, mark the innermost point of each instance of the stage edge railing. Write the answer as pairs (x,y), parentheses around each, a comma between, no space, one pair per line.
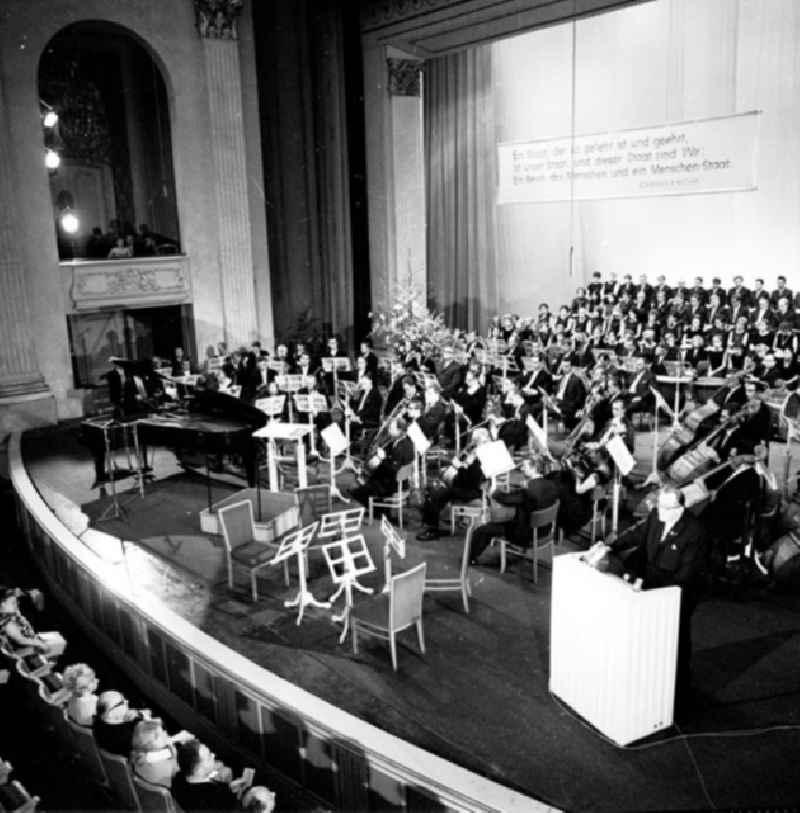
(236,705)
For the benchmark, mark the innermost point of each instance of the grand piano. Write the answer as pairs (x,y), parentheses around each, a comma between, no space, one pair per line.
(215,424)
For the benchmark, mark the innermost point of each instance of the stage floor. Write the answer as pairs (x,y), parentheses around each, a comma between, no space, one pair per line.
(479,696)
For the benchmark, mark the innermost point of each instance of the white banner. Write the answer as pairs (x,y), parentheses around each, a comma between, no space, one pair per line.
(688,158)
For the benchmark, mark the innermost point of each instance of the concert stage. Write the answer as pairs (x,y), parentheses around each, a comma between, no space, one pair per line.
(479,697)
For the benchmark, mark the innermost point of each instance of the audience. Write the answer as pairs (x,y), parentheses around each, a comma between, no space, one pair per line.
(82,683)
(153,754)
(115,723)
(202,784)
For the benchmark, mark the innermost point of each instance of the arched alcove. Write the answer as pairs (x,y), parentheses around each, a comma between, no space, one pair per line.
(112,142)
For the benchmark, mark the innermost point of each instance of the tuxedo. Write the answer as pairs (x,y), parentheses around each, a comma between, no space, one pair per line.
(367,407)
(570,397)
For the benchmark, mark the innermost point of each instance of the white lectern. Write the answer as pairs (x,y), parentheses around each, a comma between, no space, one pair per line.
(613,649)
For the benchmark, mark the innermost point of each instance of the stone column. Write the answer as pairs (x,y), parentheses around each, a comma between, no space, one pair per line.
(216,23)
(408,176)
(21,383)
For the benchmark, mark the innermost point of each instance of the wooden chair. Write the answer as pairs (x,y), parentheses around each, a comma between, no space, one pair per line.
(120,778)
(458,582)
(386,614)
(545,518)
(153,797)
(313,502)
(396,501)
(241,548)
(84,745)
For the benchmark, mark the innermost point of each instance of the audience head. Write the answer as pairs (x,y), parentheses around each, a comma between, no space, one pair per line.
(258,800)
(8,599)
(150,738)
(196,760)
(80,679)
(112,707)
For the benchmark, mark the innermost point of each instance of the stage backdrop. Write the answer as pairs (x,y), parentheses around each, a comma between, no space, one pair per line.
(670,87)
(703,95)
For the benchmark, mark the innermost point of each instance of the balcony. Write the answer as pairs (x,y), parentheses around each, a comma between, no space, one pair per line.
(138,282)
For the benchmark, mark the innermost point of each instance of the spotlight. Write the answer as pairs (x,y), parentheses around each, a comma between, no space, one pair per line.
(70,222)
(52,159)
(50,118)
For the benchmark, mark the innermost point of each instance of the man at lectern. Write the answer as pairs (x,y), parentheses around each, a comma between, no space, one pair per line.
(670,548)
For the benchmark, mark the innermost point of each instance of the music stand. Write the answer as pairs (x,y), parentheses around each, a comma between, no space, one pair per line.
(311,404)
(296,544)
(337,443)
(129,432)
(347,559)
(345,392)
(421,445)
(392,541)
(271,406)
(623,464)
(335,365)
(291,384)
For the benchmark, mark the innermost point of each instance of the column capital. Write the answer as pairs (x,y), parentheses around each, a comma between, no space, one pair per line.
(404,76)
(216,19)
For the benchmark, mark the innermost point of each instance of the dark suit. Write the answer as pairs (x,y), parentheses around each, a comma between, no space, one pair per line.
(451,378)
(466,486)
(383,481)
(678,559)
(368,408)
(570,398)
(640,392)
(537,494)
(779,293)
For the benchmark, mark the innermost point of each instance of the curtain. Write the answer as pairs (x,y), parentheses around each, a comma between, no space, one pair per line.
(460,187)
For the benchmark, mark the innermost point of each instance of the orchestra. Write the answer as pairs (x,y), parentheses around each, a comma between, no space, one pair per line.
(616,356)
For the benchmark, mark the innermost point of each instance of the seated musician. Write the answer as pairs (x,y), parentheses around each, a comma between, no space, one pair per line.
(744,491)
(461,482)
(131,387)
(433,412)
(696,354)
(471,397)
(364,407)
(402,392)
(770,374)
(370,359)
(303,366)
(570,393)
(716,355)
(382,480)
(535,382)
(640,390)
(180,363)
(326,378)
(538,493)
(752,427)
(452,373)
(618,424)
(510,425)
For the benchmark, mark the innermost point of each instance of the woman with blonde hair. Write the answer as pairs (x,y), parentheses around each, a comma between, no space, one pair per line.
(82,683)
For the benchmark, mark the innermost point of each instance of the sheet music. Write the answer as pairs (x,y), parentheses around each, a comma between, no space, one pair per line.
(620,455)
(334,438)
(421,443)
(495,458)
